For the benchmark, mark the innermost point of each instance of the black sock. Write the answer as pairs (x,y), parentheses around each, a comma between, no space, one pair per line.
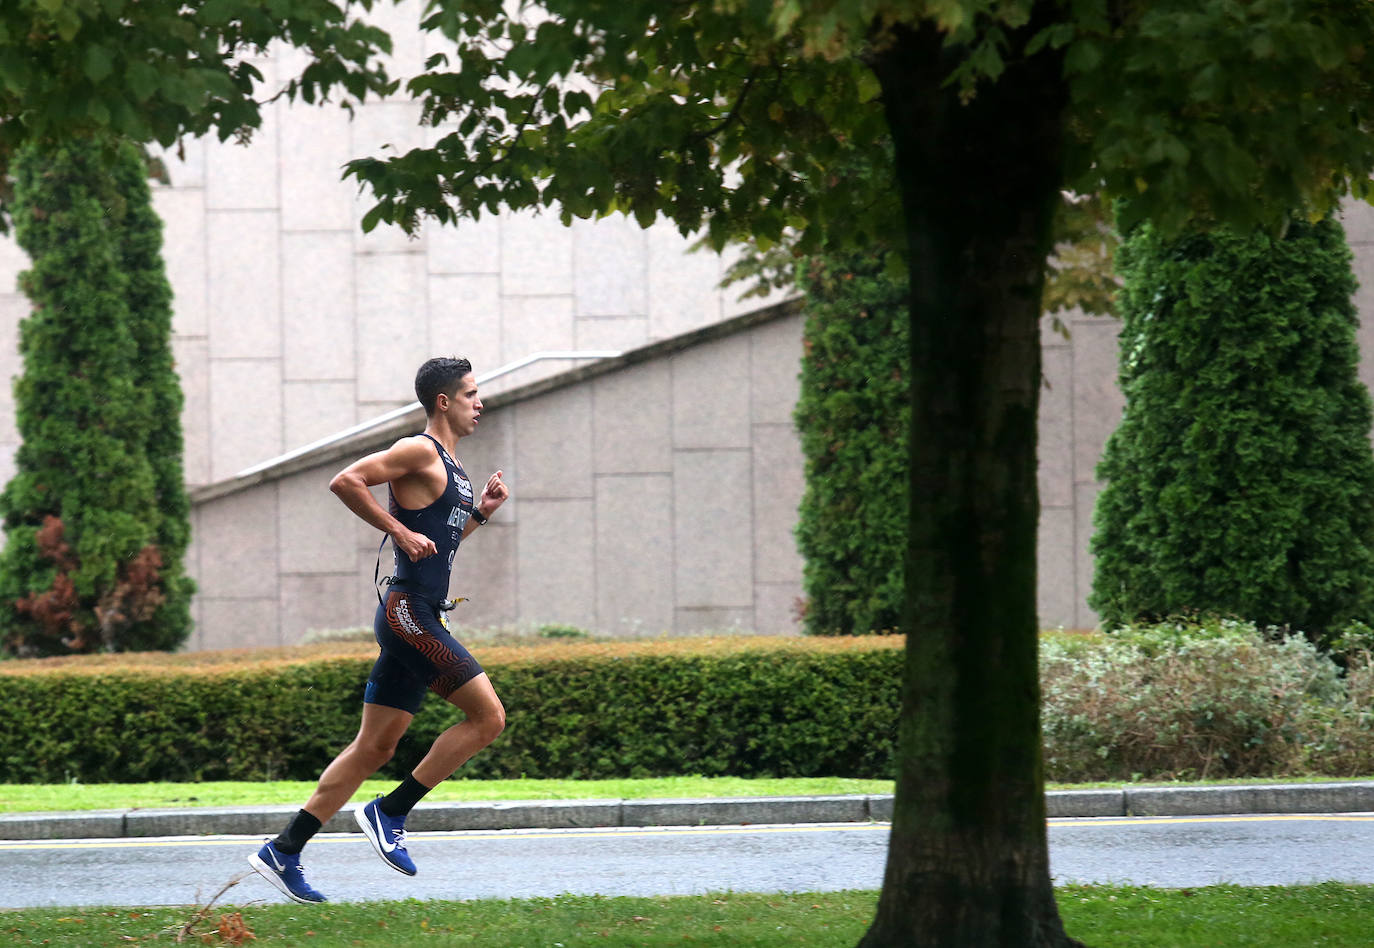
(297,833)
(399,801)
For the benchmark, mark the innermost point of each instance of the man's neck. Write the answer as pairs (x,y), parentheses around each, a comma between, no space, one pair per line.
(444,435)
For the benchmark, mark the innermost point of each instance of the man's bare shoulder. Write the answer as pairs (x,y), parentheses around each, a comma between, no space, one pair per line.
(415,442)
(413,451)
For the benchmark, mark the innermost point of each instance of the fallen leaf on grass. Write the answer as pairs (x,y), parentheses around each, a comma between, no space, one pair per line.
(233,930)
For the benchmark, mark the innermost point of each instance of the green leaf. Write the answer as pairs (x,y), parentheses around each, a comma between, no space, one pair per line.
(1055,37)
(97,63)
(14,70)
(372,218)
(1082,56)
(986,59)
(869,88)
(216,13)
(217,84)
(68,23)
(142,79)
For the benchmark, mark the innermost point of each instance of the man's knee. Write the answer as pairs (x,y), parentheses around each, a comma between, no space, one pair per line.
(490,722)
(375,750)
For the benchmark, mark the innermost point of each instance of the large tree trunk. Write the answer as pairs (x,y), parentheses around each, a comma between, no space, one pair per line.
(968,863)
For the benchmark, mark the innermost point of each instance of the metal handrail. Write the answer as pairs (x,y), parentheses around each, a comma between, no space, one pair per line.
(395,413)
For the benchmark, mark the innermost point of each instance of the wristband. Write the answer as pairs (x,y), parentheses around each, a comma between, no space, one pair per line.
(477,515)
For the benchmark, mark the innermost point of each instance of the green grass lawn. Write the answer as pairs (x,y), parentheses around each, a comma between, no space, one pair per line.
(1328,915)
(19,798)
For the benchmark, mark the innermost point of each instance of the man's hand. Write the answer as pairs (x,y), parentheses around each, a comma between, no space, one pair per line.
(493,495)
(414,545)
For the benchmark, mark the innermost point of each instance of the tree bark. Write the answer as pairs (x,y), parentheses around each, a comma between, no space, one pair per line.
(968,863)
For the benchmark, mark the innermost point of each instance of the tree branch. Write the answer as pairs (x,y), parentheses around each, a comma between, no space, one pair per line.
(730,116)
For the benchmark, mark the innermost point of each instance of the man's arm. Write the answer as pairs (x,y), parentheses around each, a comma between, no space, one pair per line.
(406,456)
(493,496)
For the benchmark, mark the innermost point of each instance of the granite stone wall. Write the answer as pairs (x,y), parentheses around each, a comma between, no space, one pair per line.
(651,493)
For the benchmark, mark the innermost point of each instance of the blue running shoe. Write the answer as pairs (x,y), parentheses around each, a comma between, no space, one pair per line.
(285,872)
(387,834)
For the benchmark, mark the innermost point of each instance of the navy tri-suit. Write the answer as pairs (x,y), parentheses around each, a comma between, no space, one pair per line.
(418,653)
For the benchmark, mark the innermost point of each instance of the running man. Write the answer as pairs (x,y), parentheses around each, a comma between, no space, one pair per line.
(432,509)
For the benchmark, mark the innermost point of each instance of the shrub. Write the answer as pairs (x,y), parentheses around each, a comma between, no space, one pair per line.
(1342,742)
(555,630)
(756,707)
(1183,699)
(1216,698)
(1240,480)
(853,414)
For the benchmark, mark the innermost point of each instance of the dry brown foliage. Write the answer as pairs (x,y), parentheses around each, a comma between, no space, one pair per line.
(135,596)
(55,609)
(215,662)
(231,930)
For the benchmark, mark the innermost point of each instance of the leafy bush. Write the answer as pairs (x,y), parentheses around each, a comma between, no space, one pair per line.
(1342,740)
(1240,480)
(1181,699)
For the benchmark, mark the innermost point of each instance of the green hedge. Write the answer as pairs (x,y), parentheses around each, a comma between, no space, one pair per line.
(594,714)
(1177,699)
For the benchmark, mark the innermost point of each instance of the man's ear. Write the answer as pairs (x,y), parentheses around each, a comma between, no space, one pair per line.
(441,402)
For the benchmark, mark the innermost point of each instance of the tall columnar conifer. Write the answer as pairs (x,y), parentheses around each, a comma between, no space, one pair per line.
(150,322)
(82,569)
(1240,480)
(853,416)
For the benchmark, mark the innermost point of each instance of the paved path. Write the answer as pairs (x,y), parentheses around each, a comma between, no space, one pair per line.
(502,864)
(1160,851)
(1190,851)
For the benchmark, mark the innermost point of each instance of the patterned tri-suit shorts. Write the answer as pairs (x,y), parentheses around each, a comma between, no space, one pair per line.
(418,654)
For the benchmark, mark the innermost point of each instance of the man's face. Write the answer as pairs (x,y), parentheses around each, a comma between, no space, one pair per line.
(464,406)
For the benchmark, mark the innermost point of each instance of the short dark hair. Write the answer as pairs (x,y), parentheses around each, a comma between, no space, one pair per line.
(439,377)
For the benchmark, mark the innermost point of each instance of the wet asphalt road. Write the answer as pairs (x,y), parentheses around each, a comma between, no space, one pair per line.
(1167,851)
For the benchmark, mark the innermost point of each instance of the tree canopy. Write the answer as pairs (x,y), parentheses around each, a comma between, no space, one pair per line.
(733,116)
(158,70)
(741,117)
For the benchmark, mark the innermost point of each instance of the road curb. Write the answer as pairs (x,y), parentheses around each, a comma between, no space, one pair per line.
(1353,797)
